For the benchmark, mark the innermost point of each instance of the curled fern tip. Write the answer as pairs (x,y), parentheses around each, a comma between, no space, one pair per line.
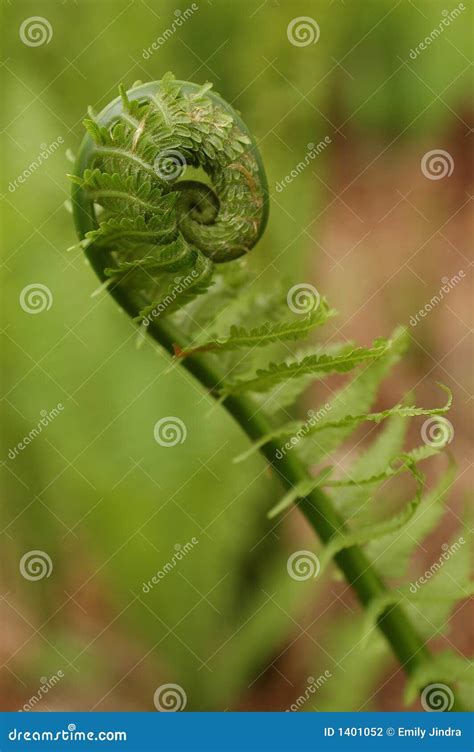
(169,183)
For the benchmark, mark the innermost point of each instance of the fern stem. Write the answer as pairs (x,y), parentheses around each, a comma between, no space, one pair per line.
(241,187)
(407,645)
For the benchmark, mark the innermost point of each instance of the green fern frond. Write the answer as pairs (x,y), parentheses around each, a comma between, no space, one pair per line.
(265,334)
(393,556)
(264,379)
(180,291)
(122,193)
(388,443)
(356,396)
(164,242)
(125,234)
(431,598)
(405,462)
(301,430)
(174,256)
(223,301)
(371,532)
(285,394)
(399,409)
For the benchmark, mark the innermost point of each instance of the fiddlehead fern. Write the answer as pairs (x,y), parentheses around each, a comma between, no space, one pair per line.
(163,234)
(160,245)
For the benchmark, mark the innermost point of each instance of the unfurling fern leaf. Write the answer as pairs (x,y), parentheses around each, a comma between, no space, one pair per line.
(264,379)
(303,429)
(161,248)
(408,461)
(138,150)
(392,556)
(433,595)
(265,334)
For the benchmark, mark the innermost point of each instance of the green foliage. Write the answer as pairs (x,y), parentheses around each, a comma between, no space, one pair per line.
(407,461)
(392,537)
(154,223)
(265,379)
(447,667)
(392,560)
(369,533)
(431,598)
(352,421)
(303,429)
(381,107)
(266,333)
(144,271)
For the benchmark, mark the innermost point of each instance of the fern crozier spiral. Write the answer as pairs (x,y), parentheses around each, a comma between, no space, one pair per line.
(159,233)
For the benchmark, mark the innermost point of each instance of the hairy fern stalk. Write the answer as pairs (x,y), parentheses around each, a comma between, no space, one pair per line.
(169,192)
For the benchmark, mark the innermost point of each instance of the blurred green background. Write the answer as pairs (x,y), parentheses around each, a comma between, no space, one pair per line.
(94,490)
